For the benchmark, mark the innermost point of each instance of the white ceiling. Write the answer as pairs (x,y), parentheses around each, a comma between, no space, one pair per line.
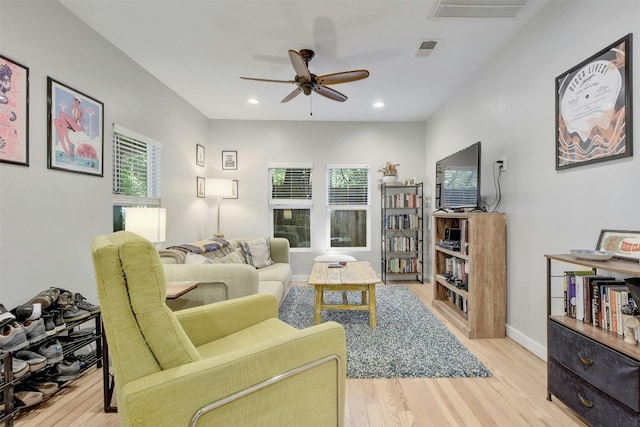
(200,48)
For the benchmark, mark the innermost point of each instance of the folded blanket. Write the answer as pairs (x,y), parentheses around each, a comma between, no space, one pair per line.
(202,246)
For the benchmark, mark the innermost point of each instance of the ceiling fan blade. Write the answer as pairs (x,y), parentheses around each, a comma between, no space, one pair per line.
(268,80)
(342,77)
(299,65)
(292,95)
(330,93)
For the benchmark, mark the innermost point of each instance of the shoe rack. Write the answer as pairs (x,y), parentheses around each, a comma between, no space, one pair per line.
(70,346)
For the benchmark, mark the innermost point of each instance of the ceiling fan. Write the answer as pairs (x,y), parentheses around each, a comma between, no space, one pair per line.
(308,82)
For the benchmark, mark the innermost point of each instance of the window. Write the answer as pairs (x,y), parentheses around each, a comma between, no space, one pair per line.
(348,207)
(136,172)
(290,203)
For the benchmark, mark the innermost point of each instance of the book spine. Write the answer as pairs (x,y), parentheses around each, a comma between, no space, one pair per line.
(595,305)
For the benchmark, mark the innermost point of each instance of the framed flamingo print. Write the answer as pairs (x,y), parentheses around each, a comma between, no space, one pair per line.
(75,130)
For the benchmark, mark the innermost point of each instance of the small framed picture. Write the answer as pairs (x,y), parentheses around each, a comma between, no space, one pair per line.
(75,131)
(625,244)
(14,112)
(229,160)
(410,181)
(234,190)
(200,155)
(200,183)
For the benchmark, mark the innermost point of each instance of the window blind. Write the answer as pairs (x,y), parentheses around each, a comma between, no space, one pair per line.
(290,184)
(348,186)
(136,168)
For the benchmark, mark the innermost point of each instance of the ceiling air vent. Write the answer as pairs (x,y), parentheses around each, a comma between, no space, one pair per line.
(477,8)
(427,47)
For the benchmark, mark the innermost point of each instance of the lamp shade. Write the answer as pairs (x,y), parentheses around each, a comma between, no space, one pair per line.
(150,223)
(219,188)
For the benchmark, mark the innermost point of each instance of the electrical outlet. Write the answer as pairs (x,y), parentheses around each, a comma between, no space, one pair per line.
(503,166)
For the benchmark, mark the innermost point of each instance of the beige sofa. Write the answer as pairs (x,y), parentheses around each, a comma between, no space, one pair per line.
(228,275)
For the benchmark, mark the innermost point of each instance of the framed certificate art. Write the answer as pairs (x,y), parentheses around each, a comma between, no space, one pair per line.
(593,108)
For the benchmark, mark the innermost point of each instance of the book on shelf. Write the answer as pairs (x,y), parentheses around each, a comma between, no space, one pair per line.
(464,235)
(584,295)
(570,300)
(596,302)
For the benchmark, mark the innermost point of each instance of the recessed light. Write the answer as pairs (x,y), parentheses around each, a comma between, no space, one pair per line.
(378,104)
(253,101)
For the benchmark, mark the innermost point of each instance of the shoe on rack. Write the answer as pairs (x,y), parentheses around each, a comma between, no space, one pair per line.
(46,298)
(34,360)
(70,312)
(25,399)
(49,325)
(47,388)
(13,337)
(35,329)
(52,350)
(67,370)
(30,311)
(6,316)
(58,320)
(83,304)
(19,368)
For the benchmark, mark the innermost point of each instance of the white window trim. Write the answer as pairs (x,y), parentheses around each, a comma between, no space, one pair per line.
(330,208)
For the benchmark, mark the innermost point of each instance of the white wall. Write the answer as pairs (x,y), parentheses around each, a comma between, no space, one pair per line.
(509,106)
(48,217)
(259,143)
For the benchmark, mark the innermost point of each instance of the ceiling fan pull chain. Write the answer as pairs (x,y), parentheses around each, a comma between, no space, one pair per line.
(311,105)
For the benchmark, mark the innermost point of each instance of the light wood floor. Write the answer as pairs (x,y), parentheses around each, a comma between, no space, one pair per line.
(514,396)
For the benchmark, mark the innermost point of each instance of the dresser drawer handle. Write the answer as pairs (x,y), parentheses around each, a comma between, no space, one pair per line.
(585,361)
(586,402)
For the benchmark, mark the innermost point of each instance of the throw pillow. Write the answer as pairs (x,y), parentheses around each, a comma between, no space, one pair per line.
(192,258)
(257,252)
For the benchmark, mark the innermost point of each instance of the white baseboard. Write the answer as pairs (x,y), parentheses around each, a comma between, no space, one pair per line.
(300,278)
(534,347)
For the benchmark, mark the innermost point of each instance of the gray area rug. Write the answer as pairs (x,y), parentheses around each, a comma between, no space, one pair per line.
(408,342)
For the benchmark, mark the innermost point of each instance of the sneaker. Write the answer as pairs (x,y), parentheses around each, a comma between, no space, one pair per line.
(34,360)
(19,368)
(52,350)
(47,388)
(58,320)
(49,325)
(5,316)
(67,370)
(13,337)
(35,329)
(70,312)
(46,298)
(83,304)
(25,399)
(28,311)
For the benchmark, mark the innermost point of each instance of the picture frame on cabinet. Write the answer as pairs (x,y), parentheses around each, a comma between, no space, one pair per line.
(593,108)
(75,130)
(624,243)
(410,181)
(14,112)
(200,187)
(230,160)
(200,155)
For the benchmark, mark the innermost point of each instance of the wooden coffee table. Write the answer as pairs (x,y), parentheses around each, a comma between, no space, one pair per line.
(354,276)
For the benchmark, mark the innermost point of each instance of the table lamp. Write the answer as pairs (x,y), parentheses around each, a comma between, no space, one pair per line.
(150,223)
(219,188)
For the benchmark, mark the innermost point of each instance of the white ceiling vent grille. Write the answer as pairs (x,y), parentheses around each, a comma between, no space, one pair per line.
(427,47)
(477,8)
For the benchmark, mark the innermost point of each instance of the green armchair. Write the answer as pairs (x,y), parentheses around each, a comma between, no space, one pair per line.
(232,363)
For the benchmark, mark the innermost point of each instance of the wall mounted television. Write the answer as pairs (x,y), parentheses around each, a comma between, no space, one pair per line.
(458,179)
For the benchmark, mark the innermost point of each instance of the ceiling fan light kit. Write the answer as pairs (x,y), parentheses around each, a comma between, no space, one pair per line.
(308,82)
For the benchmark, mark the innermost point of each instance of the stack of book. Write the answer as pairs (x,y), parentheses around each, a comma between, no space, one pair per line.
(596,299)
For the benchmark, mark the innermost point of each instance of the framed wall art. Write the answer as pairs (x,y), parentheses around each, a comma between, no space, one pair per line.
(14,112)
(200,186)
(75,130)
(200,155)
(593,108)
(625,244)
(229,160)
(234,190)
